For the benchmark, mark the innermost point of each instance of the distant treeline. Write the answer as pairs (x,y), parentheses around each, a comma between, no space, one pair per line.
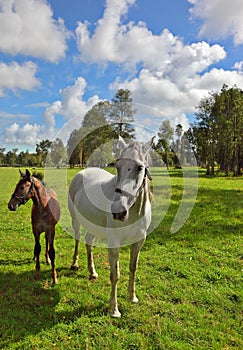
(215,139)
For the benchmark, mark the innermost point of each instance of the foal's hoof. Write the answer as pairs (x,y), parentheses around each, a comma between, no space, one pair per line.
(37,276)
(74,268)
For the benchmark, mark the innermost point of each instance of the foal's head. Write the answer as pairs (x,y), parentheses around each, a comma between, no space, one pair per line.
(23,191)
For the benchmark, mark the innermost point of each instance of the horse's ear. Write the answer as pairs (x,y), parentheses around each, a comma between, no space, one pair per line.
(28,173)
(122,144)
(21,173)
(149,144)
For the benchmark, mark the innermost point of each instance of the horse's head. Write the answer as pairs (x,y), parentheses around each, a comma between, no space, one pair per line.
(23,191)
(132,172)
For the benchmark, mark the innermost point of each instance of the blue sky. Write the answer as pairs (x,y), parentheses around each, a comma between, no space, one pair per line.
(58,58)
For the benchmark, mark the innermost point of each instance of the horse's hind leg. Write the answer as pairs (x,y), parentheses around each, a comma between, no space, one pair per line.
(134,255)
(76,228)
(51,253)
(91,267)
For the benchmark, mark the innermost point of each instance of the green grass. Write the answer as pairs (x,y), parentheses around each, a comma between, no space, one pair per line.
(189,283)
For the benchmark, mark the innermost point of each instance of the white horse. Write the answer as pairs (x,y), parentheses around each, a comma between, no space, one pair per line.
(114,208)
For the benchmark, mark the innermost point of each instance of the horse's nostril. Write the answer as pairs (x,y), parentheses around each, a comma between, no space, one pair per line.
(120,215)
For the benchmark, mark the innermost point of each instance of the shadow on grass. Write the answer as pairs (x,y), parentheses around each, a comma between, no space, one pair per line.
(18,262)
(26,306)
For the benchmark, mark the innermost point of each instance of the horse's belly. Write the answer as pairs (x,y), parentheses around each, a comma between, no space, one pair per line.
(91,207)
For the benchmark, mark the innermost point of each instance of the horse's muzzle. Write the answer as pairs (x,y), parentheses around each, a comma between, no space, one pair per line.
(119,212)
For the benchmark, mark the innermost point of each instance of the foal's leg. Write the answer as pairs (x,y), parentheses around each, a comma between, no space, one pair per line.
(114,277)
(76,228)
(91,267)
(48,261)
(134,256)
(51,253)
(37,251)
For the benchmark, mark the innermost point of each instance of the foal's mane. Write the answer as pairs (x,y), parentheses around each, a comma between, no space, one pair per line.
(39,176)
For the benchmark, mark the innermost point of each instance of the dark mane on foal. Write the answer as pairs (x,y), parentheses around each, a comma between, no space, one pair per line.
(38,176)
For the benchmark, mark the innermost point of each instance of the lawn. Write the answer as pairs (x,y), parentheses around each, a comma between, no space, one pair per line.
(189,280)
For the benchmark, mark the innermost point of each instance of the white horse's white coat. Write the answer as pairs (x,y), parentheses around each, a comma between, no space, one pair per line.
(114,208)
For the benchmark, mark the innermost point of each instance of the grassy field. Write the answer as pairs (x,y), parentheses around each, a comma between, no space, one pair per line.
(189,282)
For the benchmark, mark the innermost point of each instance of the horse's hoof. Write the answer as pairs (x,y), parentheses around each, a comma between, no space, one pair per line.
(134,300)
(94,276)
(115,314)
(74,268)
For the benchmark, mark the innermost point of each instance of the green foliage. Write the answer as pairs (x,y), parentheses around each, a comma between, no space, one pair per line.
(189,283)
(121,114)
(102,123)
(218,132)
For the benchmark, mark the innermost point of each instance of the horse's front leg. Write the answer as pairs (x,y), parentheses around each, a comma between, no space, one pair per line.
(51,253)
(134,256)
(37,250)
(76,228)
(114,277)
(91,267)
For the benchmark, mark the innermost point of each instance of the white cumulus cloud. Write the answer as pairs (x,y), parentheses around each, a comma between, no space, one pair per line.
(16,76)
(28,28)
(220,18)
(28,134)
(165,73)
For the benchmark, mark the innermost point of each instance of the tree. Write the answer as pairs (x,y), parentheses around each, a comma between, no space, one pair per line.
(2,155)
(165,136)
(218,131)
(74,148)
(58,152)
(11,157)
(94,132)
(178,147)
(42,150)
(121,115)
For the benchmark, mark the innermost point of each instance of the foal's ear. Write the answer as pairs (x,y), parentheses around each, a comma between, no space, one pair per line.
(21,173)
(28,173)
(121,142)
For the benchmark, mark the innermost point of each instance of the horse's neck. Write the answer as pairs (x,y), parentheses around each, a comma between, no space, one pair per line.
(40,197)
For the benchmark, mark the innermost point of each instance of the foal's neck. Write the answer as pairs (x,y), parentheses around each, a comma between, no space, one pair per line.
(40,196)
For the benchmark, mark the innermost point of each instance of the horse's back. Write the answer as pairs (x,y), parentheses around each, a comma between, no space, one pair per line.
(90,195)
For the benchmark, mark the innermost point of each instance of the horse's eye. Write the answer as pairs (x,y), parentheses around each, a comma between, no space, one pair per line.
(140,167)
(22,187)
